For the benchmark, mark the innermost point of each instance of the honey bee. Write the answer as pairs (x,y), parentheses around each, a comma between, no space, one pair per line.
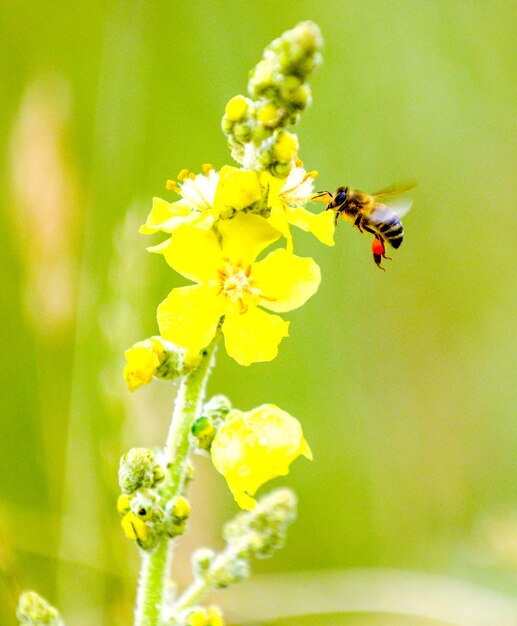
(378,213)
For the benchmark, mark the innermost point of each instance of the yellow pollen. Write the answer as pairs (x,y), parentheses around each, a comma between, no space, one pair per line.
(298,162)
(183,174)
(192,176)
(313,174)
(206,167)
(171,185)
(236,283)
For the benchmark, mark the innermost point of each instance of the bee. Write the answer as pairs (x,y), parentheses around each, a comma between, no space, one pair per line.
(378,213)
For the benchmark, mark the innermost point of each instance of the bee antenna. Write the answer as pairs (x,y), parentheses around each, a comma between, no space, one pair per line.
(320,194)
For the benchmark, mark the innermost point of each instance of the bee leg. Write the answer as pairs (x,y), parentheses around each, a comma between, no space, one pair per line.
(357,223)
(377,259)
(379,251)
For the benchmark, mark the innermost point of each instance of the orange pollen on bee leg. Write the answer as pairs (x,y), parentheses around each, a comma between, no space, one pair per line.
(378,247)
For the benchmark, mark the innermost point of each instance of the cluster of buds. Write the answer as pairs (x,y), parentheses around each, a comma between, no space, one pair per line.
(33,610)
(145,515)
(278,89)
(252,533)
(155,357)
(262,532)
(207,424)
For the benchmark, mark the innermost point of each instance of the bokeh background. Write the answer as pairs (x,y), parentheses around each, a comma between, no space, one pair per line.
(404,380)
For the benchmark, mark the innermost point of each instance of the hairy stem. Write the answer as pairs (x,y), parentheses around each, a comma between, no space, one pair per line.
(154,573)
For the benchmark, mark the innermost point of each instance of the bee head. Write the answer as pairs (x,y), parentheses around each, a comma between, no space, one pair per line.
(340,198)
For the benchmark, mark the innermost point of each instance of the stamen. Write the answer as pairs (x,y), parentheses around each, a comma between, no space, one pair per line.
(298,162)
(268,298)
(206,167)
(171,185)
(243,308)
(183,174)
(322,196)
(248,271)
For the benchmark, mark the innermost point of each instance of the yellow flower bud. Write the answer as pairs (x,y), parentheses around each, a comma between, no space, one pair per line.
(254,447)
(143,360)
(180,508)
(134,528)
(286,147)
(236,108)
(123,503)
(269,115)
(197,617)
(215,617)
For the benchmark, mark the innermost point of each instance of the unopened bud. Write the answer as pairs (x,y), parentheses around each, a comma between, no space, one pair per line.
(139,468)
(202,560)
(33,610)
(145,505)
(237,108)
(204,431)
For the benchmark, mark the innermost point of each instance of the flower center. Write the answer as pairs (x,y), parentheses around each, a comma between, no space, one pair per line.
(236,283)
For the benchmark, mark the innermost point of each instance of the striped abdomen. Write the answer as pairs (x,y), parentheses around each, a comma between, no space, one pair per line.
(387,224)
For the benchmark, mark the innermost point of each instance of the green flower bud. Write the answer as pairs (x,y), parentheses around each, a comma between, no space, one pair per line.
(227,125)
(202,560)
(177,513)
(217,408)
(243,131)
(204,431)
(281,170)
(139,468)
(33,610)
(236,570)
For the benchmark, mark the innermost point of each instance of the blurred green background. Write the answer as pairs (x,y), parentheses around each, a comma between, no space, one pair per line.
(404,380)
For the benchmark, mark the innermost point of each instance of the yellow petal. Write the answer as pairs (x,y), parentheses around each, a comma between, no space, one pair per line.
(237,189)
(194,253)
(278,220)
(253,336)
(189,316)
(245,236)
(252,448)
(286,281)
(165,216)
(321,225)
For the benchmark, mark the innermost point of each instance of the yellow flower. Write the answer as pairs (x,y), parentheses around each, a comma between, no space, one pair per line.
(254,447)
(232,283)
(143,360)
(197,193)
(287,198)
(237,190)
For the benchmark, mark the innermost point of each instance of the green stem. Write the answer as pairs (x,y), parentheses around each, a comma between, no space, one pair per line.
(154,574)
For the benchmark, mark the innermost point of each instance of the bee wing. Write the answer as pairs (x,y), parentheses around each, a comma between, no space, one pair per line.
(398,206)
(392,191)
